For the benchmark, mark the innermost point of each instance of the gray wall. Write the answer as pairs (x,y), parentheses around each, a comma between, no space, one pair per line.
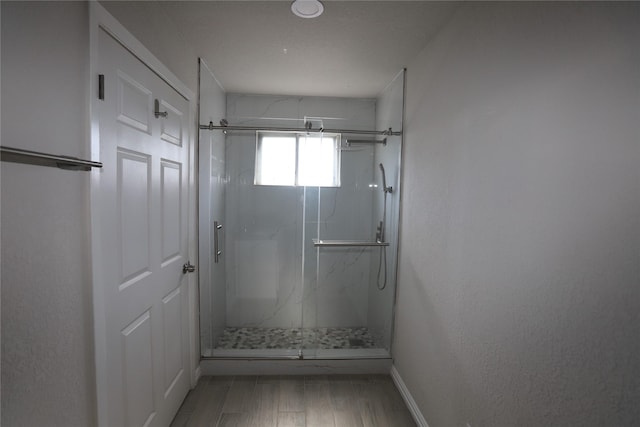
(47,321)
(47,318)
(153,27)
(519,293)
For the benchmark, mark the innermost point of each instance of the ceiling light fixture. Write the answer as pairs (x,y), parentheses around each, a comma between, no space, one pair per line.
(307,8)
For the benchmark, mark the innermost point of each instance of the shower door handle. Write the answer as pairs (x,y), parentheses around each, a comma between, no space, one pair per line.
(216,247)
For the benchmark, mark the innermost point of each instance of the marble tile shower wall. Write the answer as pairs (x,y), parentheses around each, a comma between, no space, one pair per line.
(269,229)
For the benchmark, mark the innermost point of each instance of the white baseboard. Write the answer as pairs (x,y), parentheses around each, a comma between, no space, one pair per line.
(408,399)
(197,374)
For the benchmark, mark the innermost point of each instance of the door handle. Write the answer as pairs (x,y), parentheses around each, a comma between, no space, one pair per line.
(216,244)
(188,268)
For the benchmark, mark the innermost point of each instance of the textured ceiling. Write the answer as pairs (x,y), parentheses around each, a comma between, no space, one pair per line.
(354,49)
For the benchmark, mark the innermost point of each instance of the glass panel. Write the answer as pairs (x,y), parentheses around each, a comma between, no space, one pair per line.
(349,294)
(310,277)
(339,295)
(211,196)
(263,257)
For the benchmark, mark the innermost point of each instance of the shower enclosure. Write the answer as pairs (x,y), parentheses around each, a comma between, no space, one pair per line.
(299,202)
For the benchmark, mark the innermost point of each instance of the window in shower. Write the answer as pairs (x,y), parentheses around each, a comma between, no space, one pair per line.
(297,159)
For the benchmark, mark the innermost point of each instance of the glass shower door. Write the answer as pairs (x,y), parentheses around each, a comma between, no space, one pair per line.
(341,251)
(349,289)
(263,260)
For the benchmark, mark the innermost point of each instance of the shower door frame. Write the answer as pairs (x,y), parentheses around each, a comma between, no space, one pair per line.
(314,353)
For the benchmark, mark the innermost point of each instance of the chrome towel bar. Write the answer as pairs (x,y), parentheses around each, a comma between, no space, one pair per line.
(18,155)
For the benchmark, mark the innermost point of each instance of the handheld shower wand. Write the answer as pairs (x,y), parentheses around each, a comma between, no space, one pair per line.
(384,181)
(380,232)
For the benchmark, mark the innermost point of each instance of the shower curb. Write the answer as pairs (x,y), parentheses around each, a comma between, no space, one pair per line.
(216,366)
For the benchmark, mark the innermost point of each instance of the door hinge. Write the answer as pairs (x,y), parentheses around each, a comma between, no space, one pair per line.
(101,87)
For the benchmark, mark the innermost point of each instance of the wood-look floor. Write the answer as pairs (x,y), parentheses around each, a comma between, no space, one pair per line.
(295,401)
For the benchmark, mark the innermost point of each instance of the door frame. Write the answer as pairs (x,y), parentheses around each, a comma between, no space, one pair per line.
(99,18)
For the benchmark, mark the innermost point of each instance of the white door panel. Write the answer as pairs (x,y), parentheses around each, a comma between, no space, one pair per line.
(144,239)
(171,315)
(140,407)
(171,200)
(133,198)
(171,127)
(134,103)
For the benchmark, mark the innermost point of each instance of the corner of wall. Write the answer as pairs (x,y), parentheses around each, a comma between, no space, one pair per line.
(408,398)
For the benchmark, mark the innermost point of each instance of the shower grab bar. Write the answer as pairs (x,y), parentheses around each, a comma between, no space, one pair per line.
(348,142)
(346,243)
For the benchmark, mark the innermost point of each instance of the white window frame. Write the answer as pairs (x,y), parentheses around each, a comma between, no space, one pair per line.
(300,137)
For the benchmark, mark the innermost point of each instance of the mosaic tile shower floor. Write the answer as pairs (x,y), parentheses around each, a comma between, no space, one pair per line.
(294,338)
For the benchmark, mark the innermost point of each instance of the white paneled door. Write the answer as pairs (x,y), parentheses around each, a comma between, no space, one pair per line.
(143,202)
